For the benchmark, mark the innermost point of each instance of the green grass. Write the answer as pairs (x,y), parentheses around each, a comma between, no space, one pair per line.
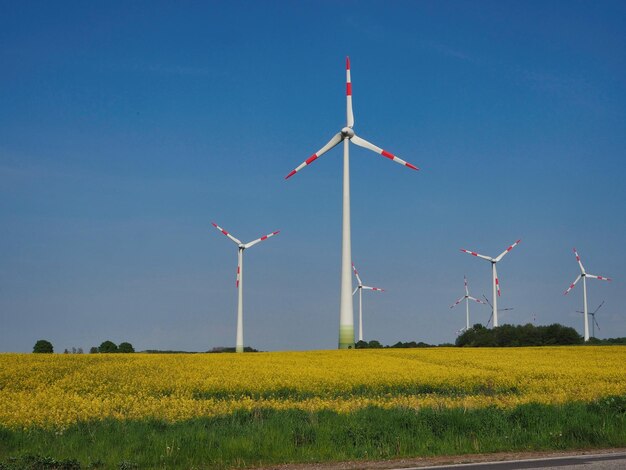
(264,436)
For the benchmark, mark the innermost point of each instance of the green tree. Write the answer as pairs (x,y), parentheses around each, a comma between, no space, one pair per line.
(108,347)
(125,348)
(43,346)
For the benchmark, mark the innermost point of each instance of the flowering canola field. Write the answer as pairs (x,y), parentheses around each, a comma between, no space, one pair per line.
(54,391)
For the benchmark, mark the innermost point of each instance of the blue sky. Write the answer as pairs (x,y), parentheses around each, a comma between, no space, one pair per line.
(126,128)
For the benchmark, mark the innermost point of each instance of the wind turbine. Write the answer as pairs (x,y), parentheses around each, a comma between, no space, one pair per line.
(494,273)
(467,298)
(347,135)
(360,288)
(584,276)
(594,323)
(239,283)
(501,310)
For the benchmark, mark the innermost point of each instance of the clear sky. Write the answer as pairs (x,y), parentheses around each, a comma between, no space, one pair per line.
(127,127)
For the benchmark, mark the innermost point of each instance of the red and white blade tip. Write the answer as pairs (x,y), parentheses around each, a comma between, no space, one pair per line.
(219,228)
(391,156)
(307,162)
(264,237)
(513,245)
(347,62)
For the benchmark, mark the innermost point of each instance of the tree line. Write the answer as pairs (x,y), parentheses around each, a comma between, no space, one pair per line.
(45,347)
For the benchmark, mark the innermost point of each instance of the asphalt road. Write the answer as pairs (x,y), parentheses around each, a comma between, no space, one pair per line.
(607,461)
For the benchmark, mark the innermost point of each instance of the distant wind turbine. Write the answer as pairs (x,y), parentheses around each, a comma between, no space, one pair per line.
(347,135)
(360,288)
(494,273)
(584,275)
(467,298)
(239,283)
(501,310)
(594,323)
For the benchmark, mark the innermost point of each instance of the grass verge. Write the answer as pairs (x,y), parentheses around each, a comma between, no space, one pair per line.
(266,436)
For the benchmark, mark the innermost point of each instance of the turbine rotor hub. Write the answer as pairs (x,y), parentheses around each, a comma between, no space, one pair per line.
(347,132)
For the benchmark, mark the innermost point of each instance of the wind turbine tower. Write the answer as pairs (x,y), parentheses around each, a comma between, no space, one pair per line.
(467,298)
(494,274)
(360,288)
(347,135)
(584,275)
(239,283)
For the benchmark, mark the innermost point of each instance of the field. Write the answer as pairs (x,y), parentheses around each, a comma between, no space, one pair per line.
(195,411)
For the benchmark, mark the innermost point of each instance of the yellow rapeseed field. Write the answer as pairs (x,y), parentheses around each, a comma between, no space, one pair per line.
(58,390)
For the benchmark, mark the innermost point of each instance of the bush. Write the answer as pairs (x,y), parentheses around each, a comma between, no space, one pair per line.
(108,347)
(125,348)
(43,347)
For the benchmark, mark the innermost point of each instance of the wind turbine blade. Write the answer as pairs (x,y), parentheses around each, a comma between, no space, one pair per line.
(580,263)
(487,300)
(355,289)
(238,274)
(473,253)
(259,240)
(599,306)
(367,145)
(457,302)
(490,318)
(466,289)
(476,300)
(356,273)
(349,113)
(331,143)
(602,278)
(572,285)
(594,320)
(373,288)
(226,233)
(501,255)
(497,279)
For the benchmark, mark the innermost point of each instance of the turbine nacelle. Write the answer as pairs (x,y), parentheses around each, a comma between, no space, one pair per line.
(347,132)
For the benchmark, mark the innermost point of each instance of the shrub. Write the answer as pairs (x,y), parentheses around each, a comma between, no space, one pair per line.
(108,347)
(43,347)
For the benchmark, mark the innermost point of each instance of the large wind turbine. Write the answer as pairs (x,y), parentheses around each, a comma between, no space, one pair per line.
(239,283)
(347,135)
(360,288)
(467,298)
(584,276)
(494,273)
